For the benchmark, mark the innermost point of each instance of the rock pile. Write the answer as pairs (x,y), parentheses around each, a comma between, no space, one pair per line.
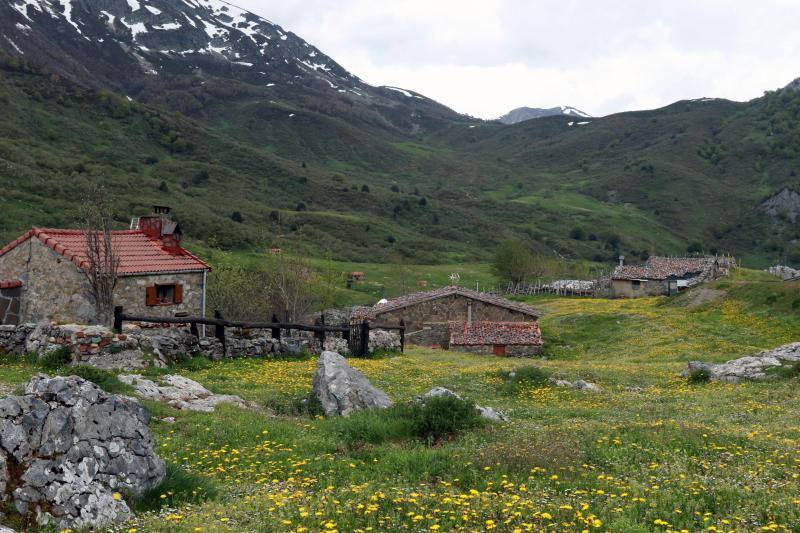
(341,389)
(179,392)
(784,272)
(750,367)
(486,412)
(69,452)
(577,385)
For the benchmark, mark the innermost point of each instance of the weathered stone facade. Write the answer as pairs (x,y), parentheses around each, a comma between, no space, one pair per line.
(10,305)
(427,322)
(55,290)
(510,350)
(625,288)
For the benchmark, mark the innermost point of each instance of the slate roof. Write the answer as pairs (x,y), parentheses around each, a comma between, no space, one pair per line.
(661,268)
(504,333)
(453,290)
(138,254)
(10,283)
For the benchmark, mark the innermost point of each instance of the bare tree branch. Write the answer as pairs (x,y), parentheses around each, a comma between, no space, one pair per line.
(102,268)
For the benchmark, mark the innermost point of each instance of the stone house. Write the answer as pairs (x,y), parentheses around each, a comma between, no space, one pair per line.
(44,274)
(665,275)
(431,317)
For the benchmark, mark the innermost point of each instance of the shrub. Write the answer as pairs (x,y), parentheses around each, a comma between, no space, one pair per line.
(104,379)
(56,359)
(699,375)
(374,426)
(524,376)
(307,405)
(442,417)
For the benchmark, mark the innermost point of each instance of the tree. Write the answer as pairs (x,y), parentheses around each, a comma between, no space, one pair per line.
(102,263)
(514,261)
(236,216)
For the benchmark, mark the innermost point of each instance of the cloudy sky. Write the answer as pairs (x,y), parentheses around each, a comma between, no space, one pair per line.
(602,56)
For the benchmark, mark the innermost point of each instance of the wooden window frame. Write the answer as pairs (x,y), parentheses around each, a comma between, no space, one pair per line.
(152,299)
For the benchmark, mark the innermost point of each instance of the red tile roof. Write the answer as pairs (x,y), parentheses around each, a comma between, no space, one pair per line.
(661,268)
(419,297)
(138,254)
(10,283)
(505,333)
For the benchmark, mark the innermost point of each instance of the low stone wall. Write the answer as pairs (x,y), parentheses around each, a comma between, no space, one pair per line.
(511,350)
(90,344)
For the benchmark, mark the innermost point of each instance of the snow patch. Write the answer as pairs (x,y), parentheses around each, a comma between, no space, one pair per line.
(153,10)
(67,5)
(134,5)
(168,26)
(22,27)
(17,48)
(403,91)
(586,122)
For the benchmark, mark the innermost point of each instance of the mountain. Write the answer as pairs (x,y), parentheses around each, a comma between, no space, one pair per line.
(256,142)
(143,47)
(522,114)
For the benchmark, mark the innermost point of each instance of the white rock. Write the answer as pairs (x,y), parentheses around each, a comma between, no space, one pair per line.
(341,389)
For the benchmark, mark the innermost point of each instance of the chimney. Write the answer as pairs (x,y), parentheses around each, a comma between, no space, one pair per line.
(622,260)
(160,226)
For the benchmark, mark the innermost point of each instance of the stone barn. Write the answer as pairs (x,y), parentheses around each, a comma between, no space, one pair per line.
(431,317)
(513,339)
(44,279)
(665,275)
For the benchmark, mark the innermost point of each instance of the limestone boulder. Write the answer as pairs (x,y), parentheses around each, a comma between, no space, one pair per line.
(76,451)
(751,367)
(342,389)
(179,392)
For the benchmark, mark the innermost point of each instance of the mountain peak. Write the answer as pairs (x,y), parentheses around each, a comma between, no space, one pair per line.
(522,114)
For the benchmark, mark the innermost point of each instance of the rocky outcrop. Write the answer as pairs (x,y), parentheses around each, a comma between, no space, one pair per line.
(486,412)
(748,368)
(785,203)
(179,392)
(783,272)
(578,384)
(69,452)
(341,389)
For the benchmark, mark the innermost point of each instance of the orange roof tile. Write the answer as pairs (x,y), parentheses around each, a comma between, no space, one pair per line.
(138,254)
(508,333)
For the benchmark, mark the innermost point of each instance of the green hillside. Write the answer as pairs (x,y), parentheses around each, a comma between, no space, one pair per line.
(246,168)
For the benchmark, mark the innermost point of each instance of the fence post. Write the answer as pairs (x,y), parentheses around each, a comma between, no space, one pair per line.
(220,331)
(321,333)
(402,335)
(118,319)
(193,329)
(276,331)
(364,348)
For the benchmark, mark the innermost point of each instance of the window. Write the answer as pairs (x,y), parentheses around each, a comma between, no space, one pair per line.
(164,294)
(636,284)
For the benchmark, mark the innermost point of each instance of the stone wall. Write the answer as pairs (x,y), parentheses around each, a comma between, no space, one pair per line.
(621,288)
(511,350)
(10,306)
(92,344)
(441,311)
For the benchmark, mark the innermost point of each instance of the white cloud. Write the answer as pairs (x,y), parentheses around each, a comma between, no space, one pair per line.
(486,57)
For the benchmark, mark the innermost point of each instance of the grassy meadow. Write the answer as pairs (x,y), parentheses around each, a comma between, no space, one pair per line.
(649,453)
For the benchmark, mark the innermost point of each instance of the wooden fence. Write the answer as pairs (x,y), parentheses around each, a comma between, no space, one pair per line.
(356,334)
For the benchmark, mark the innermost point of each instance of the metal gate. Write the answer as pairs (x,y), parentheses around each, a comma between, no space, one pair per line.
(358,338)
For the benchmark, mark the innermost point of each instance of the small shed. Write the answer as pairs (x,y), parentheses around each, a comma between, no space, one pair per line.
(428,315)
(516,339)
(664,276)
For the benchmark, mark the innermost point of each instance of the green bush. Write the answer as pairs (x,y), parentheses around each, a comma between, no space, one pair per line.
(699,375)
(522,377)
(56,359)
(104,379)
(442,417)
(430,421)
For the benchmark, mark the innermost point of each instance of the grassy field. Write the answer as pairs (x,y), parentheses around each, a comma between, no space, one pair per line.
(649,453)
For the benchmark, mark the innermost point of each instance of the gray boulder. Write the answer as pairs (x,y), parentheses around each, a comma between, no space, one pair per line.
(751,367)
(341,389)
(179,392)
(76,450)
